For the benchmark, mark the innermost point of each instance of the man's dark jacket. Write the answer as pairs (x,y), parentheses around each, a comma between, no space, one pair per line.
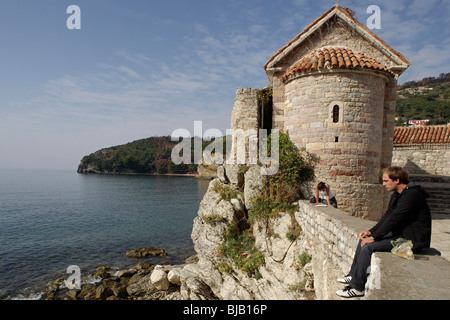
(408,216)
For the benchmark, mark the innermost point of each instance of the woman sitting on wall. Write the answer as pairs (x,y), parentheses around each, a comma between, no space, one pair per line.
(324,195)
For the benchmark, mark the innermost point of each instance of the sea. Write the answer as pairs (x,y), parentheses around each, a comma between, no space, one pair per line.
(50,220)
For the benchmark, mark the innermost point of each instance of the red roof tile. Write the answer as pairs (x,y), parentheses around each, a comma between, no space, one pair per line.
(422,135)
(336,8)
(333,58)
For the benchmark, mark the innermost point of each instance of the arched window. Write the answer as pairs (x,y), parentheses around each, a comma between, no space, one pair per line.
(335,113)
(336,110)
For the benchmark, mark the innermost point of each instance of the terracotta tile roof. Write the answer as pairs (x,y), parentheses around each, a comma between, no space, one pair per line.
(422,135)
(333,58)
(337,10)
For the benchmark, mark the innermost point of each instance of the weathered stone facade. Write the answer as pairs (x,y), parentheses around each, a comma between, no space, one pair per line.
(423,159)
(245,111)
(350,150)
(334,92)
(245,121)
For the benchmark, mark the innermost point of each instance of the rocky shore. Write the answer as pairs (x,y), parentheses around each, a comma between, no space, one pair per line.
(145,281)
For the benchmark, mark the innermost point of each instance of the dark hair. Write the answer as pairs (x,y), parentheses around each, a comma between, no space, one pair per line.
(399,173)
(321,185)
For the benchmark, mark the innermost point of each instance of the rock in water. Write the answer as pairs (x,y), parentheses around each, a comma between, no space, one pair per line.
(145,252)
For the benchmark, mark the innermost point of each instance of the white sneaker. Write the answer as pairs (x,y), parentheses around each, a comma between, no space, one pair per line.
(345,280)
(349,292)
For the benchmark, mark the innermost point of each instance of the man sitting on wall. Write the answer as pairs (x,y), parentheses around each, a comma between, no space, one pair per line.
(408,216)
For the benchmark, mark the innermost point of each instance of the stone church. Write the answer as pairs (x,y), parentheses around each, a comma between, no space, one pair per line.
(334,91)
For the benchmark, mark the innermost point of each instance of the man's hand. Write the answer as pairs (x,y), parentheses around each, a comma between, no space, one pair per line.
(365,238)
(366,241)
(365,234)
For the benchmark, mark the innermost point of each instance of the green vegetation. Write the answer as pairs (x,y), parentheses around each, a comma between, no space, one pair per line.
(150,155)
(294,231)
(425,99)
(239,247)
(212,219)
(296,167)
(300,287)
(302,260)
(225,192)
(224,267)
(278,195)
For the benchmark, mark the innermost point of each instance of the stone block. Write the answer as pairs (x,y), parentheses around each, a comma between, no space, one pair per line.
(159,279)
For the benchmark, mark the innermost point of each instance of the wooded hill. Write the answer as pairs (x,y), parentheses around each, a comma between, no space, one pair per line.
(428,98)
(150,155)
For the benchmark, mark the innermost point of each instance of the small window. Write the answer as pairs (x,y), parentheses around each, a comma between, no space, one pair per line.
(336,139)
(335,114)
(336,110)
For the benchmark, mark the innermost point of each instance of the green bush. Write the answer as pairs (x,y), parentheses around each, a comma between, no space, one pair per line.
(226,193)
(303,259)
(239,247)
(212,219)
(296,167)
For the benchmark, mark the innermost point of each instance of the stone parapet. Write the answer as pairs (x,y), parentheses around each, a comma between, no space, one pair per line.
(333,235)
(427,277)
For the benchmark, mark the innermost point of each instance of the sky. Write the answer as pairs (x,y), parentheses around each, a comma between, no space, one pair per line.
(143,68)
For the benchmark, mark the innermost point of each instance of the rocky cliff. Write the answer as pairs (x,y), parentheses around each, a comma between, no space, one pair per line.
(273,261)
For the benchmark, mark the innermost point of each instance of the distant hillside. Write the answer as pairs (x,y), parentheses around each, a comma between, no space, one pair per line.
(151,156)
(428,98)
(443,78)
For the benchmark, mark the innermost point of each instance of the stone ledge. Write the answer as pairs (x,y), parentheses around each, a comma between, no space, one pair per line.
(427,277)
(332,236)
(392,278)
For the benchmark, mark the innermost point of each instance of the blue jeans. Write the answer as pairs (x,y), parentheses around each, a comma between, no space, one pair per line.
(361,261)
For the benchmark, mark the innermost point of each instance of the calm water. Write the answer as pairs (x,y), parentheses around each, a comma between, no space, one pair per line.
(52,219)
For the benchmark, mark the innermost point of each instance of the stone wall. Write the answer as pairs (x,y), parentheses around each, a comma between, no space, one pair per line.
(332,236)
(245,120)
(423,159)
(350,147)
(245,110)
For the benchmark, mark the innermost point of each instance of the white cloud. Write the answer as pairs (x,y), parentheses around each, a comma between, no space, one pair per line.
(430,60)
